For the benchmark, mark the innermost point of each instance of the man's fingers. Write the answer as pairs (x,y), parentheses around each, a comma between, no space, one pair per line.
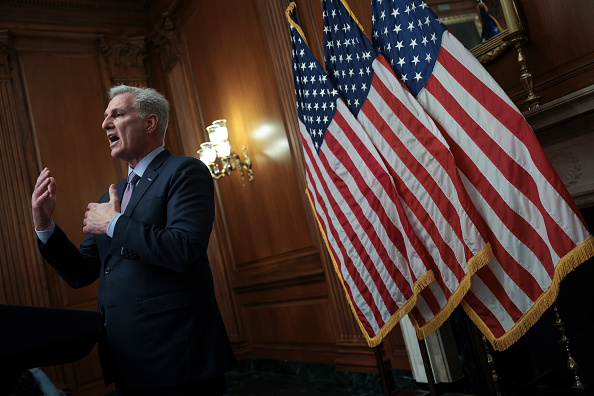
(43,200)
(52,186)
(47,188)
(42,177)
(41,187)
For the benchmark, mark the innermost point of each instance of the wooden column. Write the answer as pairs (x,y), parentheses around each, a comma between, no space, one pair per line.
(22,276)
(186,109)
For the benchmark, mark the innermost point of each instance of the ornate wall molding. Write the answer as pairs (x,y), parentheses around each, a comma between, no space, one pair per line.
(126,58)
(110,5)
(5,44)
(568,166)
(167,39)
(564,128)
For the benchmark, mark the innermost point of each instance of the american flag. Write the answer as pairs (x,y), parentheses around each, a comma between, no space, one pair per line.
(418,159)
(379,259)
(491,27)
(533,225)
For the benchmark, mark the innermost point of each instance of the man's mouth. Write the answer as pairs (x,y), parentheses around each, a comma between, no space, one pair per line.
(112,139)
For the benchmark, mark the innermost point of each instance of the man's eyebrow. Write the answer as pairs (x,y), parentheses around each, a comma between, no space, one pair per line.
(114,110)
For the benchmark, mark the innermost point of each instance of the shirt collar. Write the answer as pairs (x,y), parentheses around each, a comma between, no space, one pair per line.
(144,163)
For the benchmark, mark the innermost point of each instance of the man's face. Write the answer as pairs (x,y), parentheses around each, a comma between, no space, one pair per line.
(125,129)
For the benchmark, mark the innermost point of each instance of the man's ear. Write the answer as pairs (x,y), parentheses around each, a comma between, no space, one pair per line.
(151,123)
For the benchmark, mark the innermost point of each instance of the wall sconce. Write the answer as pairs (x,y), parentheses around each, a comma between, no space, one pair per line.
(219,147)
(518,37)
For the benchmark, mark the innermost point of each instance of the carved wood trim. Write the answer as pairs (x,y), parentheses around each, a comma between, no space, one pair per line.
(75,16)
(183,10)
(126,59)
(186,107)
(4,46)
(166,38)
(274,274)
(107,5)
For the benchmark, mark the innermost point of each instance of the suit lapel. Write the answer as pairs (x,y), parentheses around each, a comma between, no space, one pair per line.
(149,176)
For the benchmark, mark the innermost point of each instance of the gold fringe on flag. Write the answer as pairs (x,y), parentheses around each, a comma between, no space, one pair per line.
(290,9)
(566,264)
(419,285)
(475,263)
(346,6)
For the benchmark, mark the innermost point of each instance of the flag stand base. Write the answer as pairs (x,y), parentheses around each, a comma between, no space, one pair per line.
(572,365)
(388,386)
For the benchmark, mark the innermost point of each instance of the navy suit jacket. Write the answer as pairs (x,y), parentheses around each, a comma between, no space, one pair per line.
(156,292)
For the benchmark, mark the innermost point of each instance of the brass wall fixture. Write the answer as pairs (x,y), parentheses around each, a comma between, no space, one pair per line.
(518,36)
(219,148)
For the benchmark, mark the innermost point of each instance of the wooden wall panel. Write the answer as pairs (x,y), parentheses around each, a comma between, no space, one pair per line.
(233,81)
(67,115)
(274,320)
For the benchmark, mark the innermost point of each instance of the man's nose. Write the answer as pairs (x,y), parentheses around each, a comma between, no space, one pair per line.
(104,124)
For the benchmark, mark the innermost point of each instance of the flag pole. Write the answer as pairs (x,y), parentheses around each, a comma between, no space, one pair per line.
(381,367)
(428,369)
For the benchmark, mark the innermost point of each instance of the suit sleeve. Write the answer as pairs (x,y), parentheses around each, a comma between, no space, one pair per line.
(189,212)
(78,268)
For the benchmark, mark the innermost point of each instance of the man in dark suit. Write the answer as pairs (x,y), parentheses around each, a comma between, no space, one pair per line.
(163,332)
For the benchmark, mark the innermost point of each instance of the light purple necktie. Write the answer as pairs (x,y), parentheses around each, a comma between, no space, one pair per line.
(132,179)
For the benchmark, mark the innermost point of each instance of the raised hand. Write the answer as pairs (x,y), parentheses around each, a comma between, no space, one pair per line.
(98,215)
(43,200)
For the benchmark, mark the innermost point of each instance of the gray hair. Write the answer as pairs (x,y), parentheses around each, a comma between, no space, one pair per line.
(147,101)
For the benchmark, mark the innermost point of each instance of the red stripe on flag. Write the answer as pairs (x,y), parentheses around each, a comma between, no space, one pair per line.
(431,300)
(365,224)
(521,229)
(515,173)
(417,317)
(437,195)
(528,237)
(388,187)
(486,316)
(331,230)
(496,287)
(436,147)
(507,115)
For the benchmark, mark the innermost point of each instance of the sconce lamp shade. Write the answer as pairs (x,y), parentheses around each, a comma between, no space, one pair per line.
(207,153)
(217,132)
(219,147)
(223,148)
